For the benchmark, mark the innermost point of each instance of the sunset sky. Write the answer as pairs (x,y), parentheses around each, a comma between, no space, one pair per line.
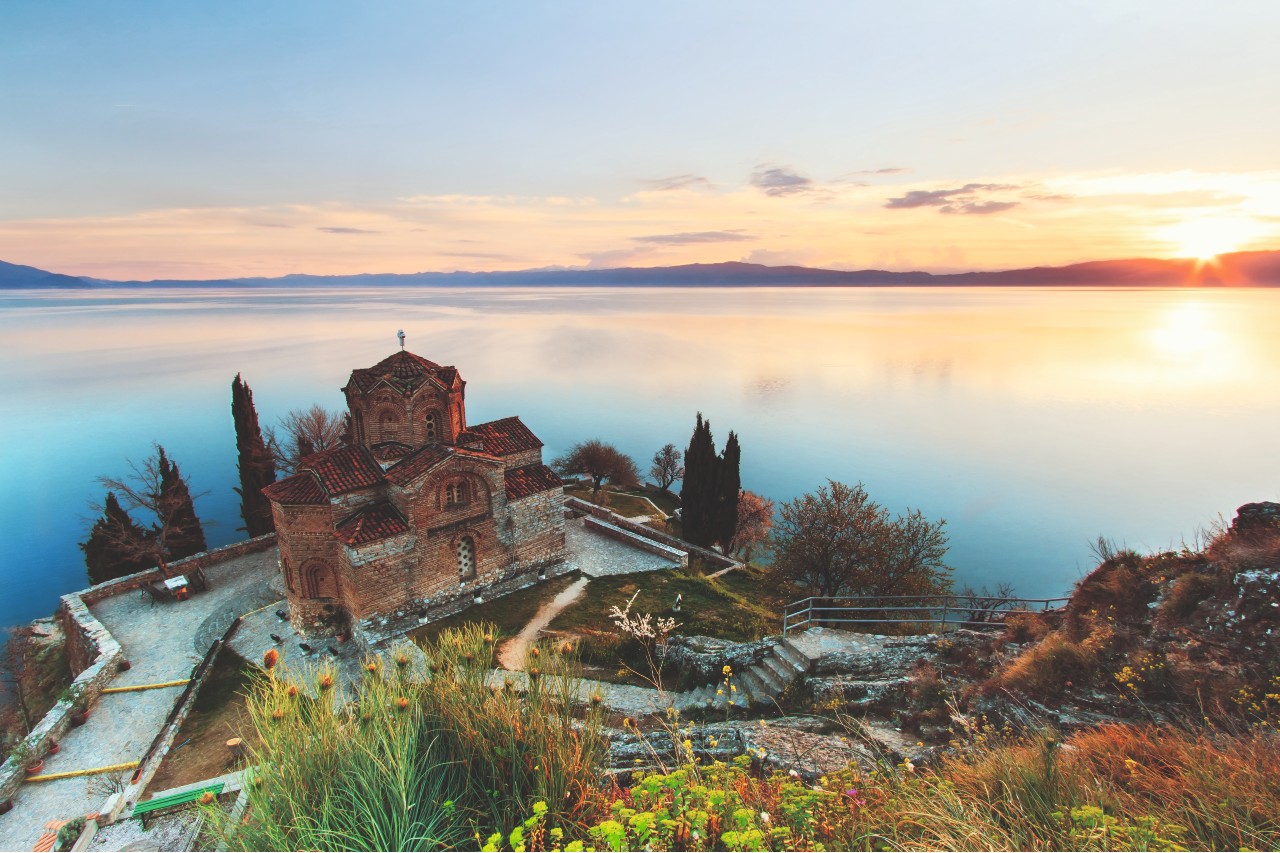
(181,140)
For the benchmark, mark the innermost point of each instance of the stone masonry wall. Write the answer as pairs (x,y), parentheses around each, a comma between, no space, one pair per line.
(538,526)
(204,559)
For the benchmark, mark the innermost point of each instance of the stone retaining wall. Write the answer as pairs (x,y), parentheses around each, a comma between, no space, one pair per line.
(638,540)
(716,559)
(94,655)
(204,559)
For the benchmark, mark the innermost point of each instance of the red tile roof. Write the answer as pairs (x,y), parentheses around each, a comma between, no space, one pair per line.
(300,489)
(405,371)
(530,480)
(389,451)
(345,469)
(506,437)
(371,523)
(420,461)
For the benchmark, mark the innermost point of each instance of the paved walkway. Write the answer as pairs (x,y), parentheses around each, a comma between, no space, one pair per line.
(596,555)
(160,640)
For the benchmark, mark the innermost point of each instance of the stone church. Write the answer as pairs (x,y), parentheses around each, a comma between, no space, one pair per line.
(420,515)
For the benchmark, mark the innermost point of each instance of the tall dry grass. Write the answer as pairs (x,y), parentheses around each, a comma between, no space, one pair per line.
(424,753)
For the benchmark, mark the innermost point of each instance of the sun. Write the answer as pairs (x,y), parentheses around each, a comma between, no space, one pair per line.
(1205,238)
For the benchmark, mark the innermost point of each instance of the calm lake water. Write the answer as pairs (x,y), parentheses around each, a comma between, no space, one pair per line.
(1031,420)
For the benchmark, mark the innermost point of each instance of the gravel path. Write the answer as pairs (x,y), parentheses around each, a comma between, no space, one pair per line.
(511,655)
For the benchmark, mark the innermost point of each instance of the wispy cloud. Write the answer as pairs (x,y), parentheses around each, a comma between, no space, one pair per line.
(891,170)
(678,182)
(780,181)
(963,200)
(333,229)
(684,238)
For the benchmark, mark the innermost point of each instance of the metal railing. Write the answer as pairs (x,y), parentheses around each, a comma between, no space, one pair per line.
(946,612)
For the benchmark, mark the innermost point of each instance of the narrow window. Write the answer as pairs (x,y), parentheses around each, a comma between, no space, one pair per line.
(466,558)
(455,494)
(430,423)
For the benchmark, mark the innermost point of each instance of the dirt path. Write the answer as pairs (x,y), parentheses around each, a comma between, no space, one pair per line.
(511,655)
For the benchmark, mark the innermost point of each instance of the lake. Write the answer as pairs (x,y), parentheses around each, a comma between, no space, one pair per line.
(1032,420)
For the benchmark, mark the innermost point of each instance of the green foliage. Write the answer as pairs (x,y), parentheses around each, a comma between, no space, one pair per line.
(69,833)
(254,461)
(116,545)
(728,488)
(698,489)
(418,756)
(184,535)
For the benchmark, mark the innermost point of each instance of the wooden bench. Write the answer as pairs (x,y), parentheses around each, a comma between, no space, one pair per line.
(157,804)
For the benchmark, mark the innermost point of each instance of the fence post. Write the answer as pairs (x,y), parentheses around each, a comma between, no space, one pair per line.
(946,608)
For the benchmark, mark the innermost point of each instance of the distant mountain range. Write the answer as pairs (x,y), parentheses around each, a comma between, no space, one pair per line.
(1237,269)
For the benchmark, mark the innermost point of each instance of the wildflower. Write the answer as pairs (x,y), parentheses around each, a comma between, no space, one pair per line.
(688,745)
(909,766)
(566,649)
(207,797)
(402,704)
(534,652)
(271,658)
(627,723)
(793,774)
(402,660)
(326,681)
(371,666)
(1130,765)
(277,714)
(727,670)
(764,817)
(713,743)
(719,692)
(534,672)
(488,639)
(733,688)
(596,698)
(292,690)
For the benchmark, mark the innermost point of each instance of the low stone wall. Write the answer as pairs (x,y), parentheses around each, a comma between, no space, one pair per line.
(204,559)
(637,540)
(94,655)
(604,514)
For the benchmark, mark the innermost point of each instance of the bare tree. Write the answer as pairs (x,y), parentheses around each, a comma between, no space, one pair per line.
(157,486)
(600,462)
(668,466)
(303,433)
(755,520)
(837,541)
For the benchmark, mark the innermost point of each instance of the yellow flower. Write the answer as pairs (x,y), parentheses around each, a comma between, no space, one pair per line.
(727,670)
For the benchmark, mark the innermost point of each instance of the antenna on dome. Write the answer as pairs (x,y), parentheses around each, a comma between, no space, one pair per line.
(400,335)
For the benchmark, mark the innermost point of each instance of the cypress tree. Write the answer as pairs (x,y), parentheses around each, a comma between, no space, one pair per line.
(257,468)
(698,490)
(179,525)
(116,545)
(728,485)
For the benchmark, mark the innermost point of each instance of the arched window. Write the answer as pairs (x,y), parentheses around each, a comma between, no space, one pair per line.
(466,558)
(318,580)
(387,424)
(429,425)
(456,494)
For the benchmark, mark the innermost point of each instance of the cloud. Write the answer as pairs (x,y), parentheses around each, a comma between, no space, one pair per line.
(611,258)
(978,207)
(678,182)
(892,170)
(270,225)
(684,238)
(962,200)
(340,230)
(780,181)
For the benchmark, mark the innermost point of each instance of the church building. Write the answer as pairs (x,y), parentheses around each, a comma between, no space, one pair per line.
(421,515)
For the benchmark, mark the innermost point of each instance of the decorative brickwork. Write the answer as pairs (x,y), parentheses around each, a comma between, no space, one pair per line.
(421,516)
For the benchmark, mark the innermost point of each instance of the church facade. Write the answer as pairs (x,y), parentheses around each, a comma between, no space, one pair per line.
(420,515)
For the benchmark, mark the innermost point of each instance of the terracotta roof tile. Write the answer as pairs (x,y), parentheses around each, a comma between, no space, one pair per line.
(390,451)
(421,460)
(373,522)
(345,469)
(506,437)
(299,490)
(530,480)
(405,371)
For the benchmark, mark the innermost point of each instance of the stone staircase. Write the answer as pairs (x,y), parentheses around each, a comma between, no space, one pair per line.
(759,684)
